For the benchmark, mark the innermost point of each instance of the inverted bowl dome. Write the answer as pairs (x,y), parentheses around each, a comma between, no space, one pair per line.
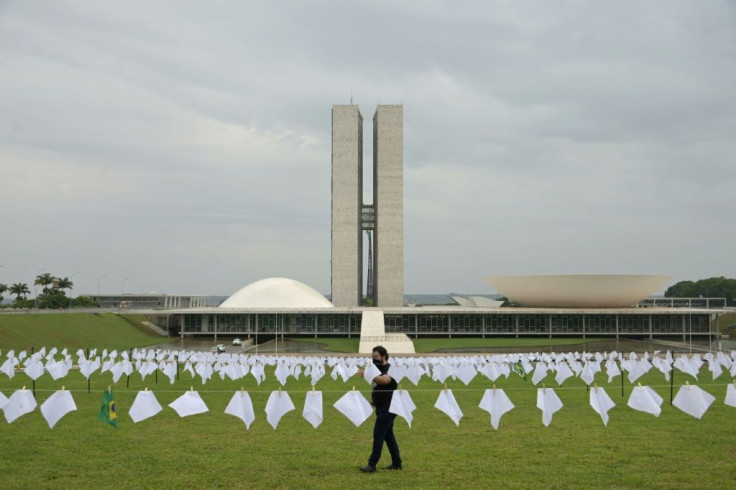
(277,292)
(577,290)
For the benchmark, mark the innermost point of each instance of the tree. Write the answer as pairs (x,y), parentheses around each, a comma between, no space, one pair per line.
(714,287)
(20,290)
(85,301)
(45,280)
(3,288)
(53,298)
(63,283)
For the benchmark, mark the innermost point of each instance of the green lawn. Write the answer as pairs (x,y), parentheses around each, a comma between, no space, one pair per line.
(75,330)
(333,344)
(636,450)
(430,345)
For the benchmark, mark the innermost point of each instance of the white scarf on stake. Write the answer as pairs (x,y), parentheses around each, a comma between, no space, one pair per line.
(354,406)
(278,405)
(241,407)
(496,403)
(313,408)
(447,404)
(56,406)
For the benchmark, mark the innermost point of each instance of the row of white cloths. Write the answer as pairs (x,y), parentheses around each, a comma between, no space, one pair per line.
(465,368)
(690,399)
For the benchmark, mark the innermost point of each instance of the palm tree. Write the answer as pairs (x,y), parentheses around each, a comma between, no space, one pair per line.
(20,290)
(3,288)
(45,280)
(63,283)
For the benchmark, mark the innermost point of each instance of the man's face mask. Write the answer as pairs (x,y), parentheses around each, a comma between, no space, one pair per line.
(378,362)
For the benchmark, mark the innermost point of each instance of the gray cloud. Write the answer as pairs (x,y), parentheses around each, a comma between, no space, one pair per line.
(188,148)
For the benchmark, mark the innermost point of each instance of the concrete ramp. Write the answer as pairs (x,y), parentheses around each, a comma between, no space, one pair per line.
(373,333)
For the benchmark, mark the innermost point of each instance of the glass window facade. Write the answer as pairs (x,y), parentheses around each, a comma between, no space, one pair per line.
(428,323)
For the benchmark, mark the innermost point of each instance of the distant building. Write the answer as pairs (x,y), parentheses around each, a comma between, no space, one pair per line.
(148,301)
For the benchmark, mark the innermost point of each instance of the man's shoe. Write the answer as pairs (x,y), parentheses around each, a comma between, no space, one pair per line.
(393,467)
(368,469)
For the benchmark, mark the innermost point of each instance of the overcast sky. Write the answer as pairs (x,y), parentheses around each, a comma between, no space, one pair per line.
(184,147)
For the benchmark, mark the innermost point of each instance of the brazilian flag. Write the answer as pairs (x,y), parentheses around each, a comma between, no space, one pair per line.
(108,413)
(519,369)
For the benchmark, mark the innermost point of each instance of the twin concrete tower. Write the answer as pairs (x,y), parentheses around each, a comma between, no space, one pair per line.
(384,219)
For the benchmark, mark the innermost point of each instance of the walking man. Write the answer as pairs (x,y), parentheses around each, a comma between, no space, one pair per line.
(381,394)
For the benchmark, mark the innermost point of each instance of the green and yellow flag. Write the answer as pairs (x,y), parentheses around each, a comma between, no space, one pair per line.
(519,369)
(107,410)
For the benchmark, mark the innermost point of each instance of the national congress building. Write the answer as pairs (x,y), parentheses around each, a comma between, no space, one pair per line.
(582,305)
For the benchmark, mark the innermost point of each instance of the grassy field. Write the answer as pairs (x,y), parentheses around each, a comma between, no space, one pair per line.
(333,344)
(75,330)
(431,345)
(636,450)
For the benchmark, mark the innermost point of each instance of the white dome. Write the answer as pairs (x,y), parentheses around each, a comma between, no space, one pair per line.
(277,292)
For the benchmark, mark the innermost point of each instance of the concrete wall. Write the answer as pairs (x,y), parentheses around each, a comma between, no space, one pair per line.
(347,199)
(388,200)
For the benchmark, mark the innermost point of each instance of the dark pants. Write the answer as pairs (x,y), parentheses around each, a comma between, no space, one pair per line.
(384,431)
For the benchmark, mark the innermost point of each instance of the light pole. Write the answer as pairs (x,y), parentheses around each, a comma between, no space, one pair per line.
(98,284)
(122,286)
(35,299)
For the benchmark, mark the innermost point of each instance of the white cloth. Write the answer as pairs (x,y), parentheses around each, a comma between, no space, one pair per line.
(588,374)
(549,403)
(491,371)
(601,403)
(169,369)
(318,371)
(686,366)
(539,372)
(20,403)
(117,371)
(715,368)
(402,405)
(370,373)
(241,406)
(354,406)
(563,372)
(279,404)
(496,403)
(88,367)
(447,404)
(56,406)
(638,369)
(258,373)
(144,406)
(414,373)
(8,367)
(4,400)
(34,369)
(312,411)
(58,369)
(441,372)
(730,396)
(693,400)
(281,373)
(190,403)
(612,370)
(466,373)
(645,399)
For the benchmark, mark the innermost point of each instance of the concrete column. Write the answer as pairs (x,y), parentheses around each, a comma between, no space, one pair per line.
(347,203)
